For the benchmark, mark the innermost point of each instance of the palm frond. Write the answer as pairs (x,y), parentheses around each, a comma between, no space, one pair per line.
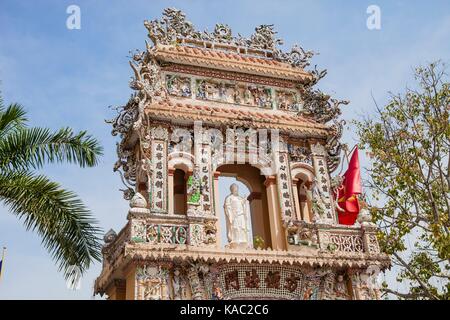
(32,147)
(11,119)
(67,229)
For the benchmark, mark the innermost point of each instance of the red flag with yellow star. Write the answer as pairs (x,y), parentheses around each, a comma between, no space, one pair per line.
(348,192)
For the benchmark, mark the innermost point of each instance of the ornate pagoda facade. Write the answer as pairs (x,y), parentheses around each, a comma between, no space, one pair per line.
(208,105)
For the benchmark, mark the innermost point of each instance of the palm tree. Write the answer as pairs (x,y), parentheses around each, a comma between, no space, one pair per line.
(66,226)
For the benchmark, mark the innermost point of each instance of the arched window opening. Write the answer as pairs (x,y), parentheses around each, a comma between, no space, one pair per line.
(179,192)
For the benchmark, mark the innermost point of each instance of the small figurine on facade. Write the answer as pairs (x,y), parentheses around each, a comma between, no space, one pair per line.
(152,289)
(194,188)
(340,288)
(216,292)
(110,236)
(317,199)
(236,213)
(308,294)
(178,285)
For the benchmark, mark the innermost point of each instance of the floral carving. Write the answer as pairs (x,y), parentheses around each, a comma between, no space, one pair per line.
(210,232)
(232,280)
(291,282)
(347,243)
(194,189)
(372,244)
(251,279)
(273,279)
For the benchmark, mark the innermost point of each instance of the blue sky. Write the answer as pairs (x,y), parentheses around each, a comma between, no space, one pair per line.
(70,77)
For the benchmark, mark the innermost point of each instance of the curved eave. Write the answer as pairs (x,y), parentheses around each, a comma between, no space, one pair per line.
(229,115)
(217,59)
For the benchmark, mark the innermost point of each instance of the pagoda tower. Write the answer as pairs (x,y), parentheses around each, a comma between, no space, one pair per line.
(208,105)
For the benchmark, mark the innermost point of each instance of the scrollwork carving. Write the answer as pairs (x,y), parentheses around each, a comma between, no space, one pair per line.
(320,106)
(333,145)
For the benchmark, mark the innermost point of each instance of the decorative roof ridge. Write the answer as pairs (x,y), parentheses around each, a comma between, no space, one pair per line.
(173,29)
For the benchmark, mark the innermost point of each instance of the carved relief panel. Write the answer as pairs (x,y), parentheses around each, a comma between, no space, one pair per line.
(261,281)
(298,153)
(143,231)
(178,85)
(243,94)
(266,281)
(238,93)
(248,281)
(288,100)
(152,283)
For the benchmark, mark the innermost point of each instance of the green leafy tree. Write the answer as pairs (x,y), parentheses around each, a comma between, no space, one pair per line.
(408,142)
(65,225)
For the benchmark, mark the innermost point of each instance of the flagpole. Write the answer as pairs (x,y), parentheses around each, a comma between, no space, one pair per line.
(3,261)
(346,154)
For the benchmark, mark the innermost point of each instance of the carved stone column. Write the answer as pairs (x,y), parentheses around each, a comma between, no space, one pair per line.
(277,233)
(203,168)
(355,284)
(284,182)
(370,239)
(328,286)
(197,289)
(322,185)
(165,283)
(131,283)
(158,194)
(296,199)
(363,286)
(217,207)
(116,290)
(257,213)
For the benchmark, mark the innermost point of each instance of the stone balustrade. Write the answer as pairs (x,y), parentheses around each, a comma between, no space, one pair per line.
(333,238)
(180,230)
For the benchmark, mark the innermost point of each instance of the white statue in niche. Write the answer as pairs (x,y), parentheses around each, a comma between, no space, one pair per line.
(237,214)
(179,285)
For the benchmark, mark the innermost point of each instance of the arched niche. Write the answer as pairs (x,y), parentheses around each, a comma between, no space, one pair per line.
(302,177)
(180,167)
(181,160)
(251,177)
